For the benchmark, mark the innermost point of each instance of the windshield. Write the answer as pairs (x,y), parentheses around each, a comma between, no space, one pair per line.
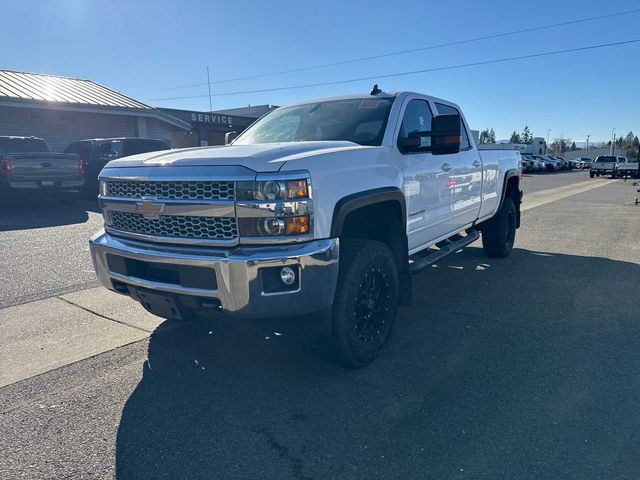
(135,146)
(23,145)
(81,148)
(605,159)
(357,120)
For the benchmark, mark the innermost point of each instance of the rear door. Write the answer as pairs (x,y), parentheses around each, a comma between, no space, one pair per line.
(465,176)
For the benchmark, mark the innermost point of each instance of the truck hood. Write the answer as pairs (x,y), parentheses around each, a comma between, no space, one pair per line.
(267,157)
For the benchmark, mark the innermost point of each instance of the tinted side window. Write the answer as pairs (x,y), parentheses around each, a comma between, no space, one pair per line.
(108,150)
(417,118)
(448,110)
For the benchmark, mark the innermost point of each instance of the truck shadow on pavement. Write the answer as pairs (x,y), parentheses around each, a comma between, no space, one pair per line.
(526,367)
(24,212)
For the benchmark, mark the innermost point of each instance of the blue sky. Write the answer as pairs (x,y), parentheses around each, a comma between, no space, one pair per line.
(143,47)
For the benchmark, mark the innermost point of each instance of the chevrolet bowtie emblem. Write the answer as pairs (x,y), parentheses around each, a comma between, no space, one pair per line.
(149,208)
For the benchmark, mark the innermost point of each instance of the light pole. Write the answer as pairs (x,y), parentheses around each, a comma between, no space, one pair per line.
(588,145)
(547,144)
(613,142)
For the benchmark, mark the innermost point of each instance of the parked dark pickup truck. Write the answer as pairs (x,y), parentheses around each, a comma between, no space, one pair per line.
(97,152)
(27,163)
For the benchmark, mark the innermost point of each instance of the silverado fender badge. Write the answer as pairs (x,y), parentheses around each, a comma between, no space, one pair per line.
(149,208)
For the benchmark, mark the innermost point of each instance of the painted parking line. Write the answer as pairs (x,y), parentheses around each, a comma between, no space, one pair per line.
(542,197)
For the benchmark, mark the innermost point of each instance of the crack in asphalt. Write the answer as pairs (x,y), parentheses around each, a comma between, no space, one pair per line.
(283,452)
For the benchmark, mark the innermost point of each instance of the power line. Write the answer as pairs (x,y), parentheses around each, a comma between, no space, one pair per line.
(399,74)
(412,50)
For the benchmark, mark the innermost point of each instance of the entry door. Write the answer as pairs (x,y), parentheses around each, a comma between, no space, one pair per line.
(465,176)
(425,181)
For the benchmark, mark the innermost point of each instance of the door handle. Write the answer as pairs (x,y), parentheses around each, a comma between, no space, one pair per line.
(477,163)
(446,167)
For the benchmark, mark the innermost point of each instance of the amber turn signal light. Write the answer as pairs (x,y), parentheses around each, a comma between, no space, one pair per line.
(297,189)
(297,225)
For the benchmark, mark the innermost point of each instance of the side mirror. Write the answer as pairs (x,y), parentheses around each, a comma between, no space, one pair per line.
(447,134)
(443,138)
(230,137)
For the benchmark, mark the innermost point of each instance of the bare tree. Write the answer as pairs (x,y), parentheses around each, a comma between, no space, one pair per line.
(560,145)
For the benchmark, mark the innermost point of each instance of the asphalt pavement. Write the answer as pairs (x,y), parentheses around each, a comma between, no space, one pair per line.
(524,367)
(45,247)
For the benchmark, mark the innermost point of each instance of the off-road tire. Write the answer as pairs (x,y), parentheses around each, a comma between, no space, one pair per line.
(359,338)
(499,233)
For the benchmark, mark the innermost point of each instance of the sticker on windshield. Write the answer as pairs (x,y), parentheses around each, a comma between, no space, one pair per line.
(369,103)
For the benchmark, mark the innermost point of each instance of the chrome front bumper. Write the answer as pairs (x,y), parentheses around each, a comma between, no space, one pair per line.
(239,287)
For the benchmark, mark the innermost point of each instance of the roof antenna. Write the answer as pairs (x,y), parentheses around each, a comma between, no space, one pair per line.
(375,90)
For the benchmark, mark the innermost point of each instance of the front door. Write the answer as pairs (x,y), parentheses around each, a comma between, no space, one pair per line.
(426,181)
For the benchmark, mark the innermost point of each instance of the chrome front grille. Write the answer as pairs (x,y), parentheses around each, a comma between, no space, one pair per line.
(171,190)
(174,226)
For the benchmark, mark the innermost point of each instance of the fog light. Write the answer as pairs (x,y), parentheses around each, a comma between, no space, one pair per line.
(287,276)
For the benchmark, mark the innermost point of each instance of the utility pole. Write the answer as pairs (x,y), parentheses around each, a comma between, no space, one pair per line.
(613,143)
(588,145)
(546,146)
(209,85)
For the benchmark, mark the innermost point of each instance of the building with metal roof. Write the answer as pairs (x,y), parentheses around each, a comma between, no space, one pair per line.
(62,110)
(207,128)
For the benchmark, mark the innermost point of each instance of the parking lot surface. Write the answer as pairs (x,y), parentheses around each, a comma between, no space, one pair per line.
(524,367)
(45,247)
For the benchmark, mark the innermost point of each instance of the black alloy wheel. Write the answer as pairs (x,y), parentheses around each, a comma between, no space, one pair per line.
(499,233)
(366,301)
(372,304)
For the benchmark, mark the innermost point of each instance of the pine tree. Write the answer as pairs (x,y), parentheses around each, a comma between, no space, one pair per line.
(515,138)
(487,136)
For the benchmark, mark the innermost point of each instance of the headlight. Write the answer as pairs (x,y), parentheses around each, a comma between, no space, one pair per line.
(275,226)
(275,206)
(103,188)
(271,190)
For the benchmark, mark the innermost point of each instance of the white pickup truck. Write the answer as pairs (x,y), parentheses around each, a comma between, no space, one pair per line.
(628,167)
(605,165)
(323,206)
